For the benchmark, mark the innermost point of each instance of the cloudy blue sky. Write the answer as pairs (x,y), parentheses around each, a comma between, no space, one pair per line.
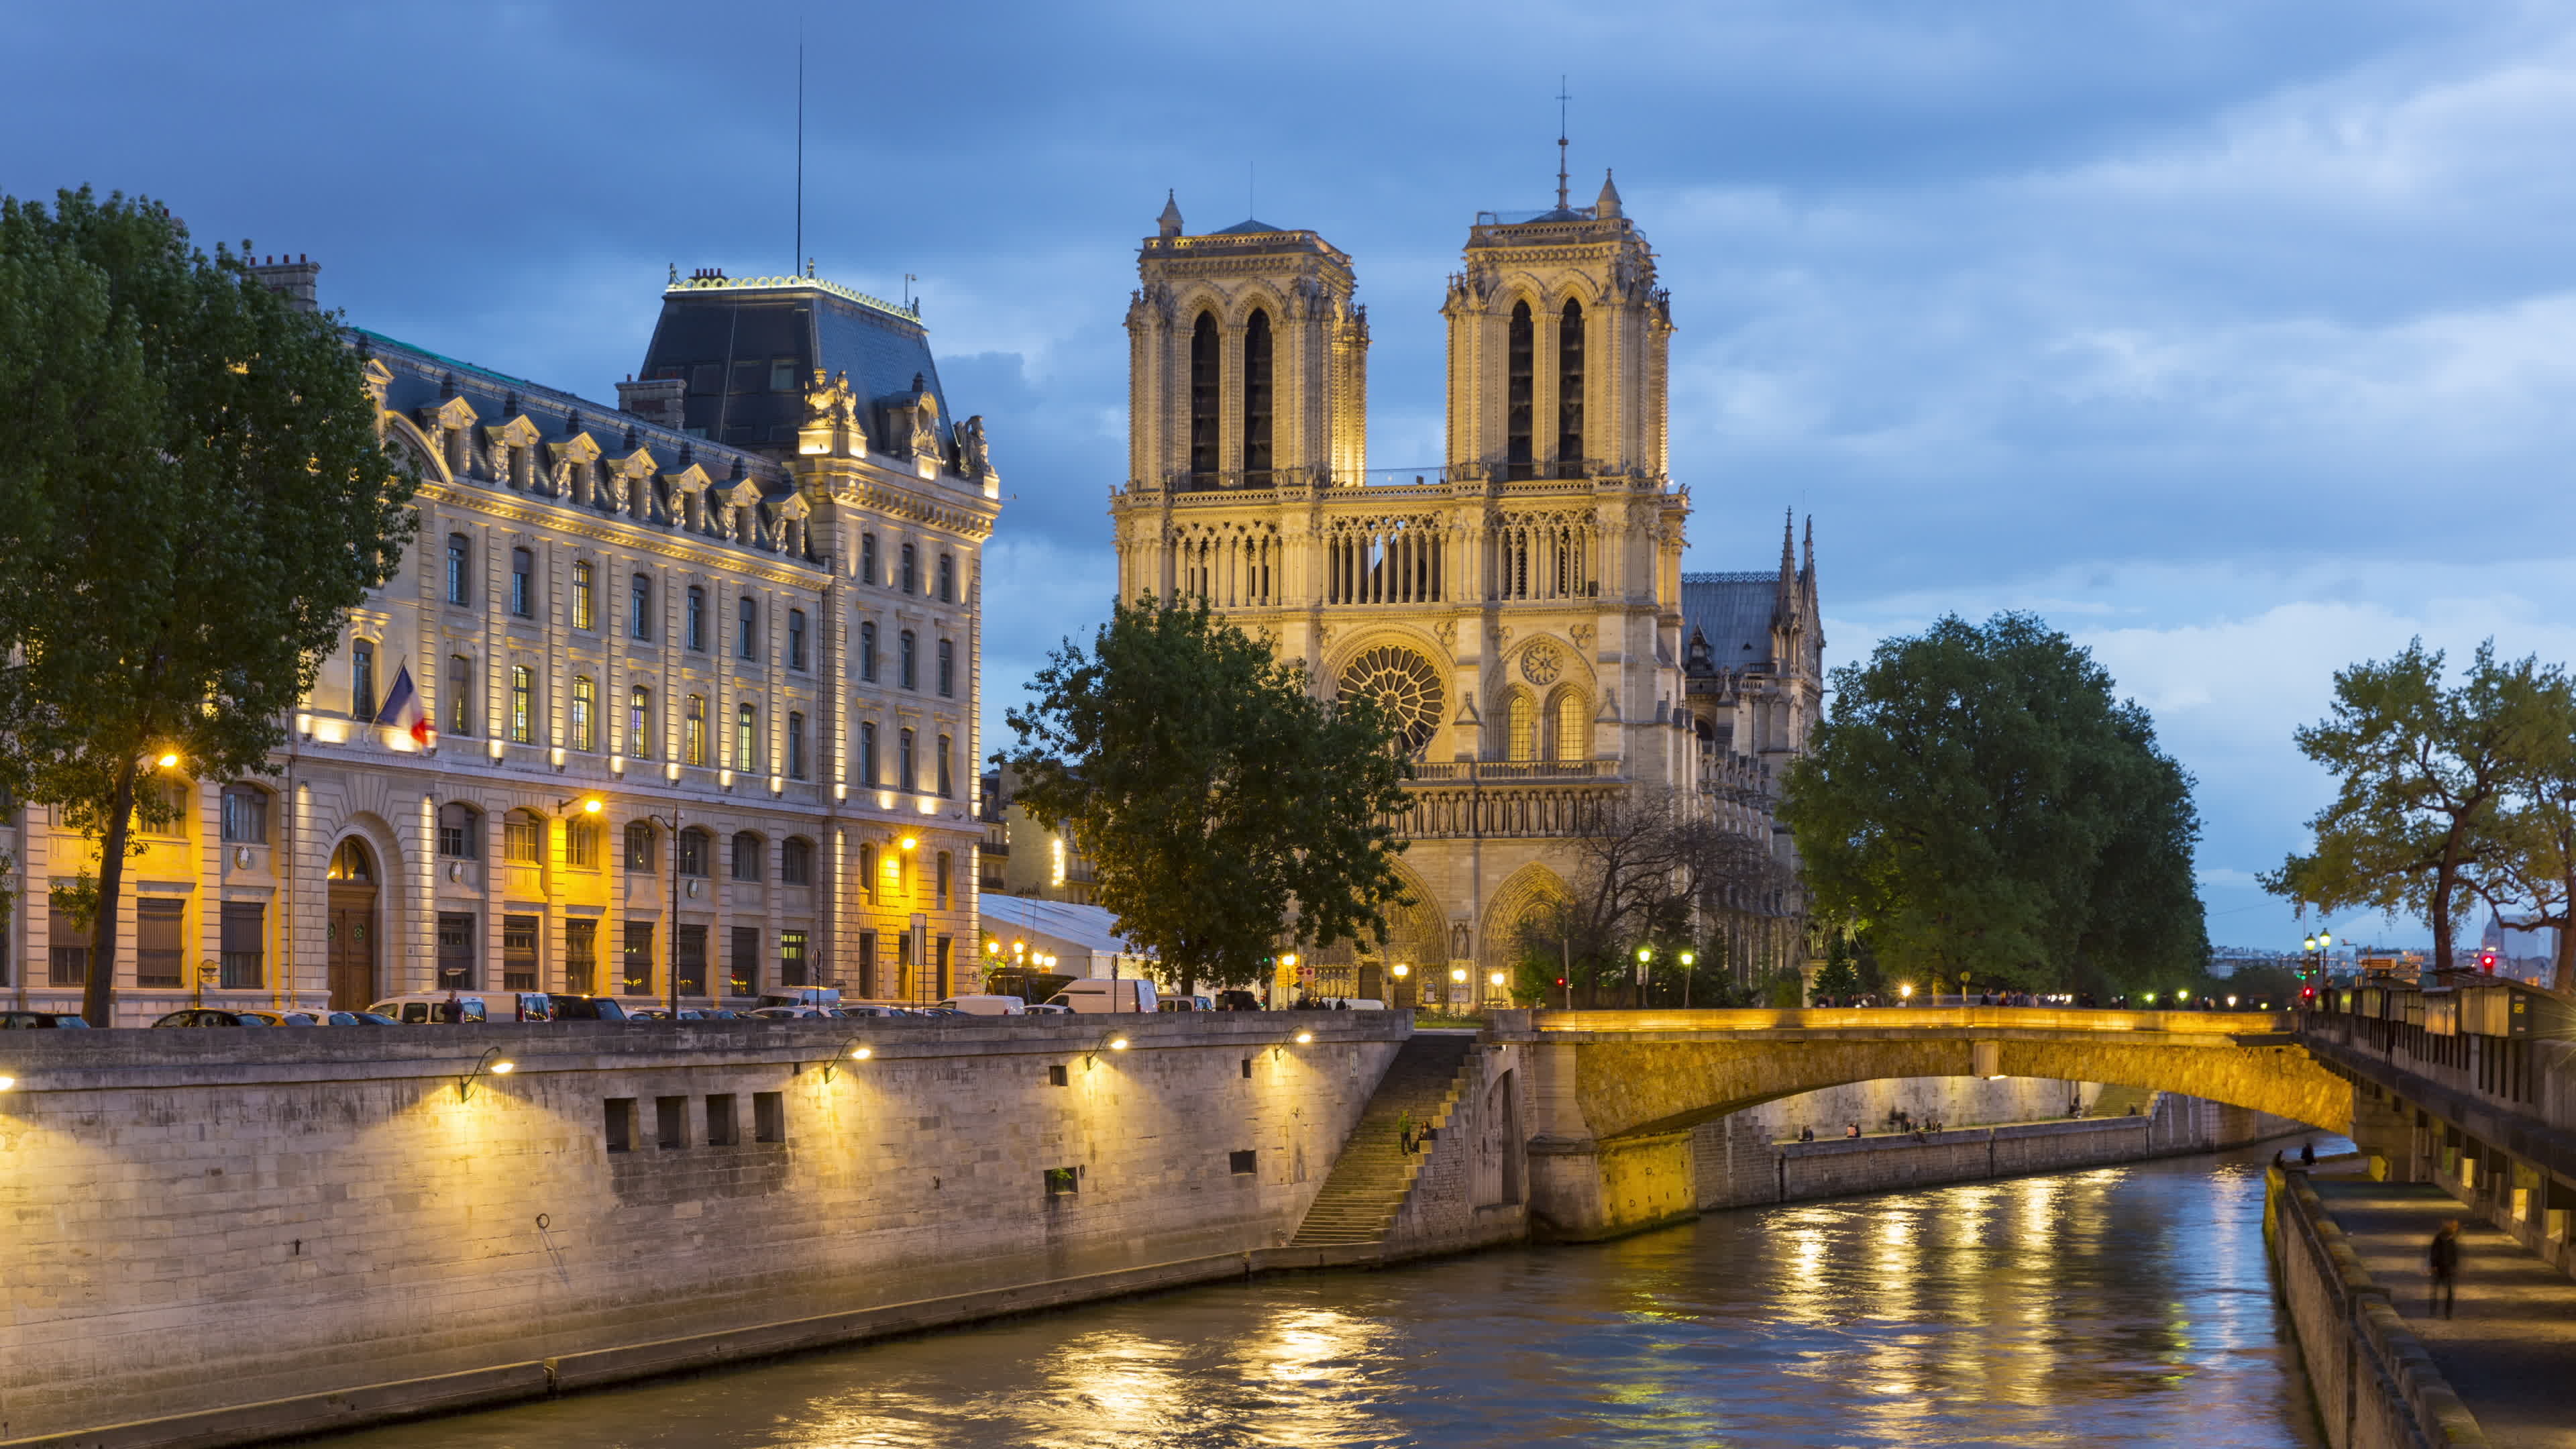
(2238,340)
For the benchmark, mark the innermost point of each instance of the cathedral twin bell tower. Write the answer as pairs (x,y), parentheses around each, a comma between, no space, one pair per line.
(1517,607)
(1249,357)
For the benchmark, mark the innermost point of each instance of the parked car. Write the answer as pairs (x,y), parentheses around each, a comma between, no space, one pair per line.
(985,1006)
(285,1018)
(357,1018)
(1092,995)
(1050,1008)
(41,1021)
(863,1010)
(790,1013)
(209,1016)
(425,1007)
(823,997)
(1237,1001)
(648,1013)
(1185,1003)
(586,1008)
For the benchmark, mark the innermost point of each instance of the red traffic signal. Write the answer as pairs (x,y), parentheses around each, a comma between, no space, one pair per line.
(2308,993)
(1560,981)
(2487,961)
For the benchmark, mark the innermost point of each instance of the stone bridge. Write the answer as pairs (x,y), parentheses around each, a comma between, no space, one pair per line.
(1615,1093)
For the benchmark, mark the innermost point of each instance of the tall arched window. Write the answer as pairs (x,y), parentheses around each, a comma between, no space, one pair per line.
(868,651)
(523,704)
(746,856)
(695,846)
(460,576)
(1518,394)
(639,607)
(1569,390)
(1520,728)
(1256,398)
(1203,372)
(746,737)
(523,583)
(1573,727)
(639,845)
(460,695)
(640,725)
(585,713)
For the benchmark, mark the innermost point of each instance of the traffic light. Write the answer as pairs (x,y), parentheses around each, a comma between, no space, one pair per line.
(2487,962)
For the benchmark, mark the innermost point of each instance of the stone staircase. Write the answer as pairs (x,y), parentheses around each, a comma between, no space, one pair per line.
(1359,1201)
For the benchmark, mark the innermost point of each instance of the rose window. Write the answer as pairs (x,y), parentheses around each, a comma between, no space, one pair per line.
(1404,685)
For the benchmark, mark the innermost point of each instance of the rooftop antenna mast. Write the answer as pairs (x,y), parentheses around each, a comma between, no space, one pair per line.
(1561,99)
(796,263)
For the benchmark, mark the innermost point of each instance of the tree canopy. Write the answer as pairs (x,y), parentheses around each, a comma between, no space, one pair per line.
(192,497)
(1978,800)
(2444,793)
(1225,809)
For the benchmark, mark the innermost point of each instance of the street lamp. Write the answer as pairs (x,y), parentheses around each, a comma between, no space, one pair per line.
(1689,959)
(1645,955)
(1905,992)
(1401,971)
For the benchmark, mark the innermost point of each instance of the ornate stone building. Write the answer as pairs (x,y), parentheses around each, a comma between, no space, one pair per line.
(742,603)
(1522,607)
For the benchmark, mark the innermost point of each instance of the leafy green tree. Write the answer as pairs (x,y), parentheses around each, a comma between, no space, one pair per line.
(191,499)
(1978,800)
(1224,807)
(1839,977)
(2424,772)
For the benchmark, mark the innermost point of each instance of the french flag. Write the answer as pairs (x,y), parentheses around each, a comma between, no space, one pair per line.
(403,711)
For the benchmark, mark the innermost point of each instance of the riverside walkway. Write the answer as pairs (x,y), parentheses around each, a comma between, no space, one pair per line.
(2510,1353)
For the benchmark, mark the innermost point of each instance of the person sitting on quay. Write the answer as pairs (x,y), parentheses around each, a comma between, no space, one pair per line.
(1852,1131)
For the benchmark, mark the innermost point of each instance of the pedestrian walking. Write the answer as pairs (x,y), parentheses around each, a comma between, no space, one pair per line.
(1404,1132)
(2307,1154)
(2444,1257)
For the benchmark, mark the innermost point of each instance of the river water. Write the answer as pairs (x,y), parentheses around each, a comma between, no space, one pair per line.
(2119,1306)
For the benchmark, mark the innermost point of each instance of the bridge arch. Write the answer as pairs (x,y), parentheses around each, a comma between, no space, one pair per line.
(1617,1093)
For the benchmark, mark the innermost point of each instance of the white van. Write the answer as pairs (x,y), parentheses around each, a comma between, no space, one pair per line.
(820,998)
(421,1008)
(1093,995)
(986,1006)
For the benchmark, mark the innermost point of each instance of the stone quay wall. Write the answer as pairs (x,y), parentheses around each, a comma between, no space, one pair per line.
(1738,1161)
(2375,1386)
(214,1237)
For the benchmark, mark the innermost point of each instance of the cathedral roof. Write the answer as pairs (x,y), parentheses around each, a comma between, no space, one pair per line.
(1733,612)
(1251,228)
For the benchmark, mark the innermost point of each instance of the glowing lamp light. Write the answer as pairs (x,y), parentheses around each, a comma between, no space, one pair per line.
(2151,998)
(504,1068)
(1496,979)
(1289,960)
(1690,958)
(1304,1037)
(593,805)
(1645,953)
(992,948)
(911,842)
(169,762)
(1906,991)
(1402,971)
(1118,1043)
(860,1053)
(1458,974)
(2231,1003)
(7,1082)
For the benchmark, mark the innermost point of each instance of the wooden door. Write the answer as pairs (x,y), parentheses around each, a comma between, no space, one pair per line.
(353,947)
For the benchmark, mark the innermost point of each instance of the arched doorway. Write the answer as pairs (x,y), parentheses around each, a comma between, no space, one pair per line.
(352,927)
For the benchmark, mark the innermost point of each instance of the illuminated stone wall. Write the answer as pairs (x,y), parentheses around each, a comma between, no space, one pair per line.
(203,1219)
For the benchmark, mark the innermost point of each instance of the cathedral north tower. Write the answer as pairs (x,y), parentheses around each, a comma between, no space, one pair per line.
(1248,362)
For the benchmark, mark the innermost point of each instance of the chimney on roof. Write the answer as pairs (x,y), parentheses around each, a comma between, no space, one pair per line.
(661,401)
(292,277)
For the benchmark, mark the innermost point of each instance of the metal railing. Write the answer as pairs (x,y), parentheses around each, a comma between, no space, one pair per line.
(1514,771)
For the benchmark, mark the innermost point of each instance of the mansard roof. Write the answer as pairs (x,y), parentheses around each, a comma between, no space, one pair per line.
(716,332)
(424,383)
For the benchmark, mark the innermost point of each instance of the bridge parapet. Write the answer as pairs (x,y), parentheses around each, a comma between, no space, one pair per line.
(1981,1021)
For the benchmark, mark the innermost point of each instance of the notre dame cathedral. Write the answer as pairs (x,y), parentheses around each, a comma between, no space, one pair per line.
(1521,609)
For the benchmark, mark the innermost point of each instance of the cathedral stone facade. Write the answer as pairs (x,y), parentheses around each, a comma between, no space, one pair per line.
(739,609)
(1521,609)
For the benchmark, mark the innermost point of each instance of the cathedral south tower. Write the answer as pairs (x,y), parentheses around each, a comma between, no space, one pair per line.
(1519,607)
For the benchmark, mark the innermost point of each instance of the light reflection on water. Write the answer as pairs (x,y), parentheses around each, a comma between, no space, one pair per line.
(2122,1306)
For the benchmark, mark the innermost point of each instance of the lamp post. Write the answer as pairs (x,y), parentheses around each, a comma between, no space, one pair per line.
(671,822)
(1457,983)
(1689,960)
(1645,958)
(1401,972)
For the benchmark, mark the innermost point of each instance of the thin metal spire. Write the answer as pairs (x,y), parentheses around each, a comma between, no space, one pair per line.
(800,146)
(1561,99)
